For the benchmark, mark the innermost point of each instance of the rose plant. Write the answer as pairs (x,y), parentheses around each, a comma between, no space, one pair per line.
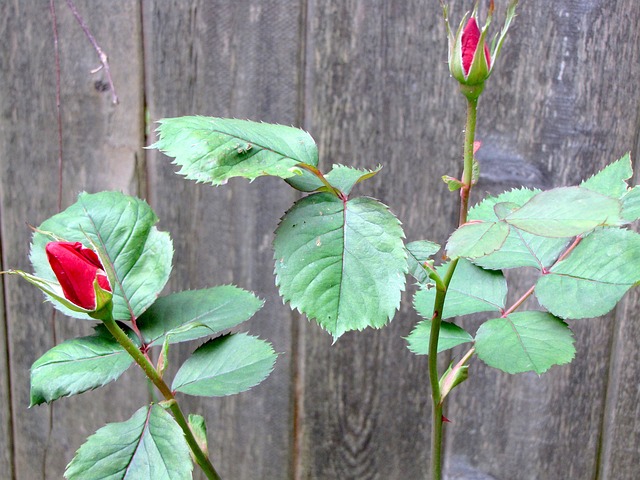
(102,258)
(80,274)
(340,259)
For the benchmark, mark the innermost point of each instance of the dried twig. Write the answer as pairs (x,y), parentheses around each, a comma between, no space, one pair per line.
(56,52)
(103,56)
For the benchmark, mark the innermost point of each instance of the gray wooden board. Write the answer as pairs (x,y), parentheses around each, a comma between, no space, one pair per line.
(379,94)
(101,143)
(6,420)
(621,429)
(369,81)
(229,59)
(558,108)
(620,449)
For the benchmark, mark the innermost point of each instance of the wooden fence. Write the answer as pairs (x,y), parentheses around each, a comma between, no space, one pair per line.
(369,80)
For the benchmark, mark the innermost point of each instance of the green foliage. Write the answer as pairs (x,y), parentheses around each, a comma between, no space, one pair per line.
(592,279)
(225,365)
(342,263)
(216,149)
(477,239)
(198,426)
(451,335)
(340,177)
(612,179)
(631,204)
(566,212)
(418,253)
(123,227)
(345,178)
(472,290)
(137,260)
(194,314)
(150,445)
(453,184)
(78,365)
(525,341)
(520,249)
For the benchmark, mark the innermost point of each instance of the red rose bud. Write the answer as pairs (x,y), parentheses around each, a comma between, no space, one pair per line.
(80,274)
(470,39)
(470,60)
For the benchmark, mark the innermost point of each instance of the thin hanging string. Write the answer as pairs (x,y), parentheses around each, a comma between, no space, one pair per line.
(52,323)
(56,51)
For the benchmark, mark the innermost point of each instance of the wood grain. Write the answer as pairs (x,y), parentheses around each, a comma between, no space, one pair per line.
(379,94)
(550,117)
(101,147)
(230,59)
(369,80)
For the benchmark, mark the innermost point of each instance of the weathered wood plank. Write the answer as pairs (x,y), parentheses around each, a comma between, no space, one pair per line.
(6,425)
(101,145)
(621,430)
(356,89)
(380,94)
(555,112)
(374,89)
(229,59)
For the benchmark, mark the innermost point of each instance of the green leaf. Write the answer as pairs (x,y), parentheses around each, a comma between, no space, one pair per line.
(199,429)
(485,210)
(593,278)
(340,177)
(612,179)
(452,183)
(216,149)
(305,181)
(566,212)
(451,335)
(472,290)
(418,253)
(52,289)
(341,263)
(476,239)
(225,365)
(194,314)
(525,341)
(631,204)
(76,366)
(503,209)
(124,227)
(148,446)
(345,178)
(520,249)
(451,378)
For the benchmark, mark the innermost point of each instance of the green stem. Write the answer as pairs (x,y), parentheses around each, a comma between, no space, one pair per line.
(436,421)
(441,294)
(467,174)
(123,339)
(518,302)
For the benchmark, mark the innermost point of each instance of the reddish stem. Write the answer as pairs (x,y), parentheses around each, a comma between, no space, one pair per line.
(545,271)
(103,56)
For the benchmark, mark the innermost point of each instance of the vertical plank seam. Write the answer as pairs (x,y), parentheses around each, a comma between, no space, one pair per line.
(605,439)
(305,64)
(297,330)
(52,319)
(142,167)
(7,374)
(611,387)
(142,173)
